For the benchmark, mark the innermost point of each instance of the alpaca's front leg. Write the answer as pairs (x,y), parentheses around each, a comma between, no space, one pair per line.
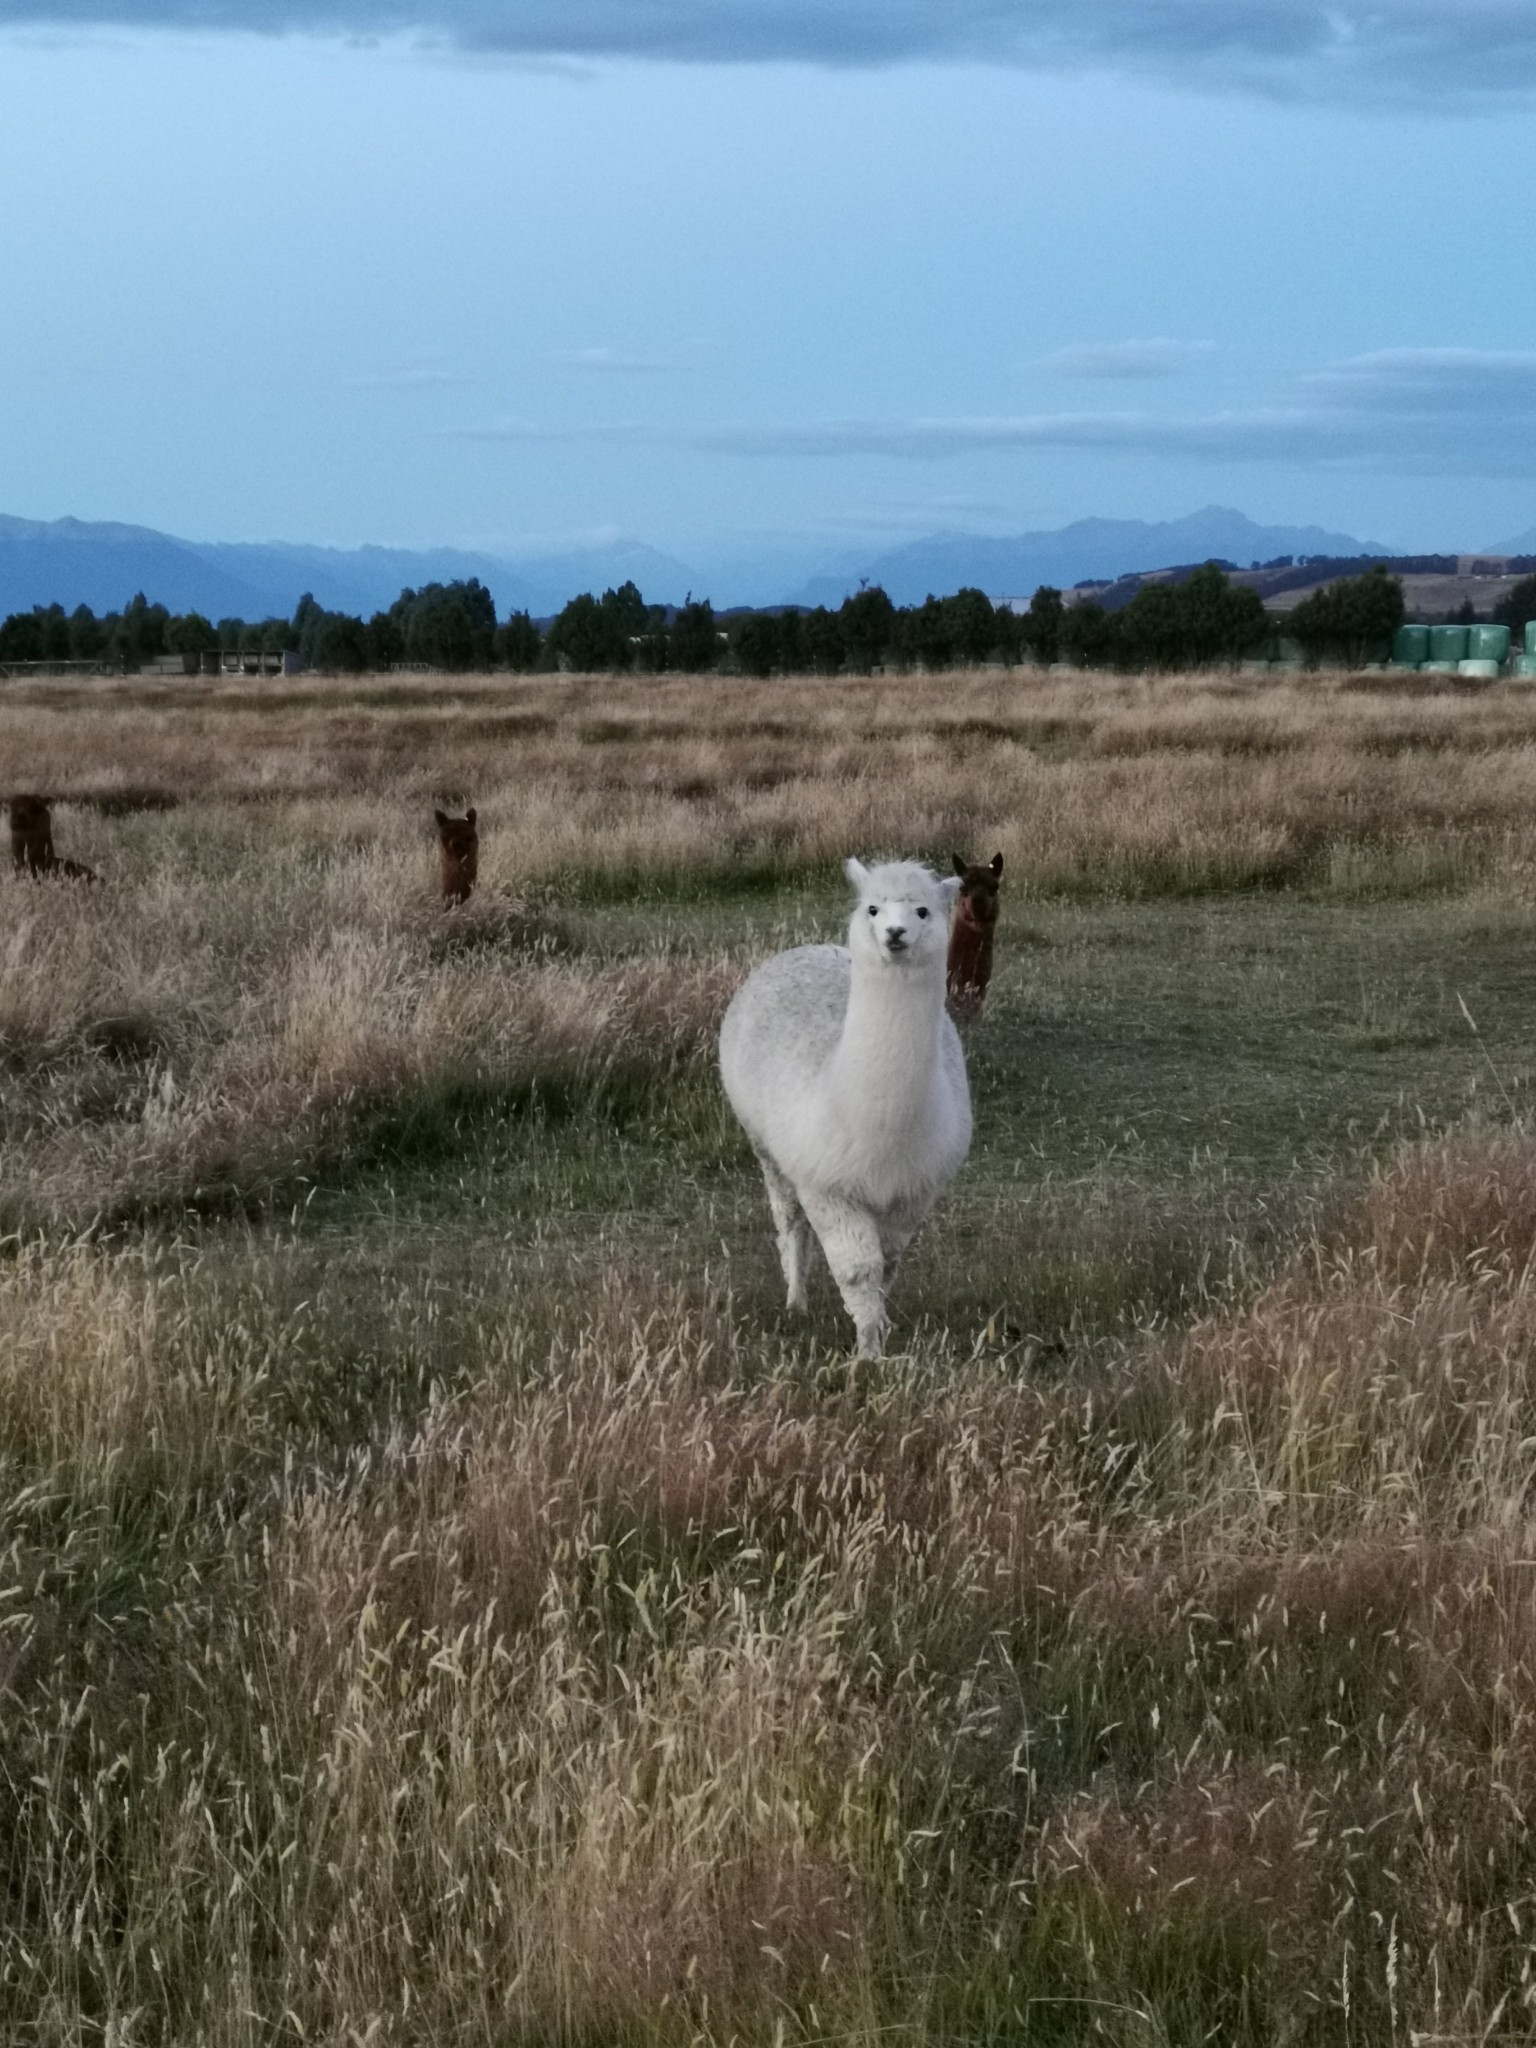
(850,1237)
(897,1227)
(791,1230)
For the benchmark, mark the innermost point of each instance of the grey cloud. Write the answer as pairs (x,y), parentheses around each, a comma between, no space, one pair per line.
(1128,360)
(1429,49)
(1423,412)
(1429,381)
(1431,412)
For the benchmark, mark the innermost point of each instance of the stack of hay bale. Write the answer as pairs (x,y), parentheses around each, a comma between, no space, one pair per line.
(1473,651)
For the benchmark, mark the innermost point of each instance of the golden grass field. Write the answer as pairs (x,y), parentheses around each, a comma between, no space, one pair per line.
(446,1599)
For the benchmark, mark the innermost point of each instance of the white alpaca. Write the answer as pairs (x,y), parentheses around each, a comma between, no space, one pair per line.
(848,1077)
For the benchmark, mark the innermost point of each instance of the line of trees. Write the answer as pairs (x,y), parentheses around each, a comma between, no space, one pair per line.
(1198,619)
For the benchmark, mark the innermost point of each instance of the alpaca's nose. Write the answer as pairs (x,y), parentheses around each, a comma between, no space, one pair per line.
(895,937)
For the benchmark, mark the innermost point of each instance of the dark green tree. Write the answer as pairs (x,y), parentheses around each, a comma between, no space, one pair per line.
(1042,626)
(135,635)
(141,631)
(339,643)
(866,620)
(756,643)
(1222,620)
(1520,605)
(973,624)
(901,651)
(448,625)
(793,656)
(822,637)
(1090,636)
(1350,621)
(188,635)
(55,632)
(588,637)
(518,644)
(386,642)
(693,644)
(628,610)
(1010,634)
(1152,629)
(935,634)
(21,637)
(86,638)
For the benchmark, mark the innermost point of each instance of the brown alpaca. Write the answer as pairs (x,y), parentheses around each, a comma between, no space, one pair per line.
(458,854)
(970,937)
(32,842)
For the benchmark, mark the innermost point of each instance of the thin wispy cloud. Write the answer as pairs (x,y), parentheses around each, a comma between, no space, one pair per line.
(542,431)
(1127,361)
(1253,433)
(1355,48)
(613,362)
(414,376)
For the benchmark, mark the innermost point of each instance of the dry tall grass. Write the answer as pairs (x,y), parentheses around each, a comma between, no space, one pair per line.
(265,957)
(1089,782)
(397,1654)
(631,1691)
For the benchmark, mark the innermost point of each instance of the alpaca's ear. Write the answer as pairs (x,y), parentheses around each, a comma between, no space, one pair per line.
(996,864)
(857,873)
(442,820)
(961,865)
(469,819)
(949,889)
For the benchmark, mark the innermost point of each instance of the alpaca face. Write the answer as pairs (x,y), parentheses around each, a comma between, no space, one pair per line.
(979,888)
(458,854)
(900,918)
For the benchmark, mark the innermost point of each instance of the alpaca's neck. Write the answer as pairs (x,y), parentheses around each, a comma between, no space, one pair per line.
(969,942)
(890,1035)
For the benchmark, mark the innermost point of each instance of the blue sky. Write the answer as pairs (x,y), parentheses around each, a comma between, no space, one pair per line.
(734,277)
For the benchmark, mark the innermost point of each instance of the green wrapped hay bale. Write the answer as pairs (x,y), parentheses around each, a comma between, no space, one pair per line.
(1530,636)
(1525,665)
(1410,646)
(1487,643)
(1447,643)
(1437,668)
(1483,671)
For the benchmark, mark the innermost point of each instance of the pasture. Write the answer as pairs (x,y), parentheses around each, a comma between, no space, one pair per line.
(444,1597)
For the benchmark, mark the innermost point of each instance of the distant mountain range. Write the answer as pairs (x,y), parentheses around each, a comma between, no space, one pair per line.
(1522,544)
(1089,549)
(74,561)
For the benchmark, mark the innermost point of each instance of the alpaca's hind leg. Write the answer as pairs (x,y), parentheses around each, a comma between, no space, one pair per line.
(791,1229)
(850,1237)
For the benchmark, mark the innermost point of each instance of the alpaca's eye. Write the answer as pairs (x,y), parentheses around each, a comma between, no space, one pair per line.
(874,910)
(922,913)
